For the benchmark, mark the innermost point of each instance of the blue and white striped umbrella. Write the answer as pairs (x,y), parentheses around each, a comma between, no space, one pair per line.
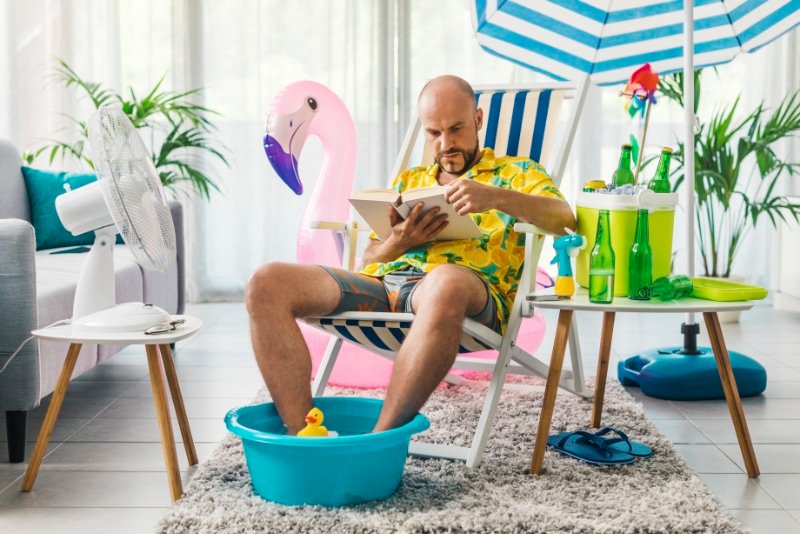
(608,39)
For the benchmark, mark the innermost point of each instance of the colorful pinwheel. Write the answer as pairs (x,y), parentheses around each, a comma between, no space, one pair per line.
(640,90)
(640,93)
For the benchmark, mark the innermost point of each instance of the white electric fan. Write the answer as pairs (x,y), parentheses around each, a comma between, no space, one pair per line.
(127,199)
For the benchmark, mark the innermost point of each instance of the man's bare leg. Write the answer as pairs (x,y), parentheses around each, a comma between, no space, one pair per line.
(278,293)
(445,296)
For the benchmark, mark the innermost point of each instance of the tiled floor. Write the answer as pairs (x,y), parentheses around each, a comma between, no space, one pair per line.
(104,469)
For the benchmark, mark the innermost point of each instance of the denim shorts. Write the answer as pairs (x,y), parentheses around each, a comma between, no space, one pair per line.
(393,293)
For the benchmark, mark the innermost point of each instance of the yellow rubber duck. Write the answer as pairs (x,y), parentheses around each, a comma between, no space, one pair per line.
(314,427)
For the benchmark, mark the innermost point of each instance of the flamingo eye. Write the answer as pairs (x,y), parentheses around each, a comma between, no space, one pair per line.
(312,103)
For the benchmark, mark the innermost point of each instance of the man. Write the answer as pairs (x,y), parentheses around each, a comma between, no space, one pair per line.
(442,282)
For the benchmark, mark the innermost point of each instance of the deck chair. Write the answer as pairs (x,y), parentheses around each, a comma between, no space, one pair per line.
(517,121)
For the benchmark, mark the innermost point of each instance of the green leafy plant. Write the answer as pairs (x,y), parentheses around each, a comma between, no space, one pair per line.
(737,171)
(179,131)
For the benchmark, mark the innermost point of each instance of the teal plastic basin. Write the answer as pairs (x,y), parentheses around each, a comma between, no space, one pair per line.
(353,467)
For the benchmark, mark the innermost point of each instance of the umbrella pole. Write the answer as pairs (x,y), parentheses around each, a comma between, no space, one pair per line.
(648,105)
(690,329)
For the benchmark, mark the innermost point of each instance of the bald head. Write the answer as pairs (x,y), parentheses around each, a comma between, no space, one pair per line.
(451,120)
(448,86)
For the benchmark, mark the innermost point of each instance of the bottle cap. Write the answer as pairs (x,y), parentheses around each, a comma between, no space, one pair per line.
(627,145)
(594,184)
(667,149)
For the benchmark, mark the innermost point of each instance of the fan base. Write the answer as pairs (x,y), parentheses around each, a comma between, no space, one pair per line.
(127,317)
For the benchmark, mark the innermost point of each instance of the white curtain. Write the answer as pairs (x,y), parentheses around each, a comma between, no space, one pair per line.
(32,34)
(376,55)
(248,51)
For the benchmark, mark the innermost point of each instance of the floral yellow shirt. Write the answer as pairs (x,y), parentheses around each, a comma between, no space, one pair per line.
(497,256)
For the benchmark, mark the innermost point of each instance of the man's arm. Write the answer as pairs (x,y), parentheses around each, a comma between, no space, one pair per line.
(550,214)
(414,230)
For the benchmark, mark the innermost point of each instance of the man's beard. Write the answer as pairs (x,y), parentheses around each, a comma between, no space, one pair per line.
(467,155)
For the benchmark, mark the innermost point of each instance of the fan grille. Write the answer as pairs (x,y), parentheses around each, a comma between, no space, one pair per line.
(132,189)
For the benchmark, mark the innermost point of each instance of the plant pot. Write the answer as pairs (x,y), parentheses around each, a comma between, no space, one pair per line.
(729,316)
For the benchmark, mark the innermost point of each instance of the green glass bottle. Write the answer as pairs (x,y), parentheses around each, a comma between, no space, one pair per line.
(660,182)
(601,263)
(640,260)
(623,175)
(671,287)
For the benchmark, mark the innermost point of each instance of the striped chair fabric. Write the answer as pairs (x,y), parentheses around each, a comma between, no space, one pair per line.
(505,113)
(383,335)
(507,116)
(507,120)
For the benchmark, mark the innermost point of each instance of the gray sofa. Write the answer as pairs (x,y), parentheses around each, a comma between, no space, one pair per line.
(37,289)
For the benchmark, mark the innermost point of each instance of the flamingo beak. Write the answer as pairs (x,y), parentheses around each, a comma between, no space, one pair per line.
(285,135)
(284,163)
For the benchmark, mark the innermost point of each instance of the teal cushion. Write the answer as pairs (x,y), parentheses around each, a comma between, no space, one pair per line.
(43,188)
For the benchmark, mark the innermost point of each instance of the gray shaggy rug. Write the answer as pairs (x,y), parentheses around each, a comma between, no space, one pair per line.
(658,494)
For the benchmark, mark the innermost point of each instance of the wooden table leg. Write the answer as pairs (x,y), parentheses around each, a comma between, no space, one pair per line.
(164,423)
(731,392)
(177,401)
(602,367)
(551,389)
(50,418)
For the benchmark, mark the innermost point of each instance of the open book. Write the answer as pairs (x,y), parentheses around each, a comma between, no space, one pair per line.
(373,206)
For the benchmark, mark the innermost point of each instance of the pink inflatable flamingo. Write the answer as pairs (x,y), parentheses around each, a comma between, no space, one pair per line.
(300,110)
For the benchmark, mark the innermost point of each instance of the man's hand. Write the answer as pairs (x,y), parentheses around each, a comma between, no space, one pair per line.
(468,196)
(417,228)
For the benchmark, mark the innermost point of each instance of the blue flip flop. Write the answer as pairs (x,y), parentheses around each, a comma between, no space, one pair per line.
(620,442)
(588,448)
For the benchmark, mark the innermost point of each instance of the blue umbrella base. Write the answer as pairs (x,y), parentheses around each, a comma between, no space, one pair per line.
(667,374)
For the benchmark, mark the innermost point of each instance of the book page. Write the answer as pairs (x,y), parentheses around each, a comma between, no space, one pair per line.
(424,192)
(373,206)
(380,194)
(458,226)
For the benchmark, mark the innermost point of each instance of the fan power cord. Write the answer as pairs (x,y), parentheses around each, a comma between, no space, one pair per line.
(21,345)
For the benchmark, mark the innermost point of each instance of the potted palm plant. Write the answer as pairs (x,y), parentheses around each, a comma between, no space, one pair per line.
(177,131)
(738,171)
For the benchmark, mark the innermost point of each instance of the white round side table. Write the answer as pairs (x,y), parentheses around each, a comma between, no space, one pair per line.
(158,355)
